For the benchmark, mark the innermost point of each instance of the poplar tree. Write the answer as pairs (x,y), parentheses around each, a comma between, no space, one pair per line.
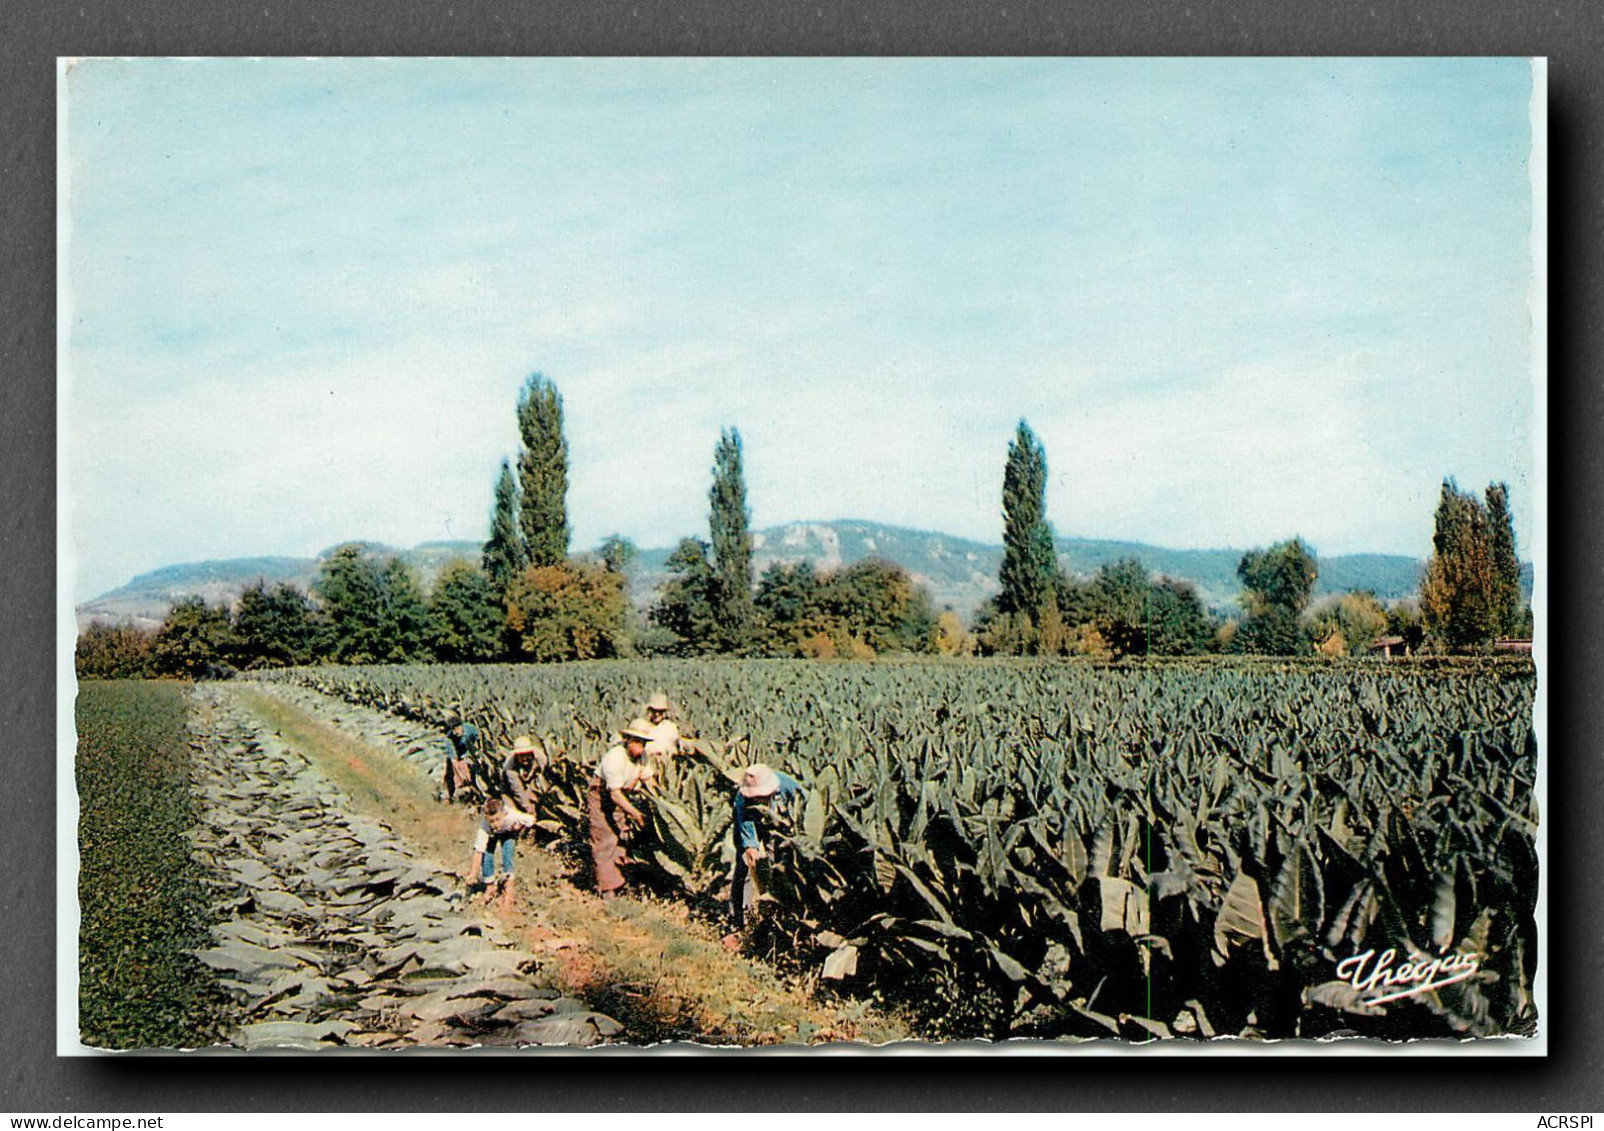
(1470,593)
(728,524)
(1505,562)
(543,473)
(505,554)
(1030,564)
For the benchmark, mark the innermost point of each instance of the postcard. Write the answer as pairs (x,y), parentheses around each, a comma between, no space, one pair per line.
(708,554)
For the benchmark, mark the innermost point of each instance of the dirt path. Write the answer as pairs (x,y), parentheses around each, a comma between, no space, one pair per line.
(663,975)
(330,930)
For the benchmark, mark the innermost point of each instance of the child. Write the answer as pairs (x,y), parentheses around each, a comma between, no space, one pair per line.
(499,826)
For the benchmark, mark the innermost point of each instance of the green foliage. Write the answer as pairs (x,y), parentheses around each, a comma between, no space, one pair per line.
(1122,599)
(142,909)
(869,608)
(876,602)
(505,554)
(1027,848)
(1357,620)
(789,606)
(1506,595)
(194,641)
(1276,584)
(105,651)
(466,617)
(273,627)
(572,611)
(543,473)
(405,615)
(1470,593)
(618,553)
(1405,621)
(1029,564)
(372,614)
(729,521)
(1004,634)
(685,605)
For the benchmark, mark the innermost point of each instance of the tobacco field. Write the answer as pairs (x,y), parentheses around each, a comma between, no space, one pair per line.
(1021,848)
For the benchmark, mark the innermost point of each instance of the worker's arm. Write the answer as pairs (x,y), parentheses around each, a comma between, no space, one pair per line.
(623,803)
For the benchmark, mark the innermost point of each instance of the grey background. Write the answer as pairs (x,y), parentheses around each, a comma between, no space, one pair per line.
(33,33)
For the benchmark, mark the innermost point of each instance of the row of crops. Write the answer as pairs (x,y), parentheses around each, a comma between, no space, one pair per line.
(1030,848)
(143,908)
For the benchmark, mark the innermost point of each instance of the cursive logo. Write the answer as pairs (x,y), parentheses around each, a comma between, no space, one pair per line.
(1382,981)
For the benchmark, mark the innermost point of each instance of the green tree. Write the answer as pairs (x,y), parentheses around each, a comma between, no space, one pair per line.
(618,553)
(1460,597)
(876,602)
(1030,564)
(466,617)
(1122,598)
(1508,606)
(1181,626)
(194,641)
(788,606)
(1003,634)
(272,627)
(728,523)
(572,611)
(1404,620)
(1356,619)
(543,473)
(1135,615)
(1276,585)
(405,615)
(350,587)
(505,555)
(685,605)
(105,651)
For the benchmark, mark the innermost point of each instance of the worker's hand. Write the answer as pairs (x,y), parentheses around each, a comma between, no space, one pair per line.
(752,856)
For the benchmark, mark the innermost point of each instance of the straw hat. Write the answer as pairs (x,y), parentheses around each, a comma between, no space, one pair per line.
(640,729)
(658,702)
(524,744)
(759,781)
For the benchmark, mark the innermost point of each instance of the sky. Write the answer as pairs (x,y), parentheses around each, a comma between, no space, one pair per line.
(1237,300)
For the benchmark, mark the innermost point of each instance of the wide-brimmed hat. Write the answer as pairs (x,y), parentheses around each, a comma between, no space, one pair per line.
(453,718)
(525,744)
(759,781)
(658,702)
(640,729)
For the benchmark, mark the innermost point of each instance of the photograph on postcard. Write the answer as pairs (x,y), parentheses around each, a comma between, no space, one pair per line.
(815,552)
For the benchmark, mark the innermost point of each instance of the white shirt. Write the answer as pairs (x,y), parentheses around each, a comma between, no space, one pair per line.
(665,738)
(617,770)
(510,821)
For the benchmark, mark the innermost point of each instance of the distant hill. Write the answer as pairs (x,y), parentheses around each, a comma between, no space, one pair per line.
(144,601)
(958,572)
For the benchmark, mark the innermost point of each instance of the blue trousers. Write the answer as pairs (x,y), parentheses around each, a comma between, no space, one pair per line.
(502,846)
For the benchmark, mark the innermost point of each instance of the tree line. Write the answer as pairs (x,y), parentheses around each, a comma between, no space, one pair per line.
(1470,593)
(529,598)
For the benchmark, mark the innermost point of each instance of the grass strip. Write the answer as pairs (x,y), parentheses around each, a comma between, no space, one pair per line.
(142,907)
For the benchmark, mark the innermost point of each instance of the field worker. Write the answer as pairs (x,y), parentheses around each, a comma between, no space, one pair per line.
(665,732)
(520,772)
(664,743)
(613,819)
(500,823)
(763,794)
(463,773)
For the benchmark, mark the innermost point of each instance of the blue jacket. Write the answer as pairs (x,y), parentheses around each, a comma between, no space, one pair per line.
(466,744)
(745,827)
